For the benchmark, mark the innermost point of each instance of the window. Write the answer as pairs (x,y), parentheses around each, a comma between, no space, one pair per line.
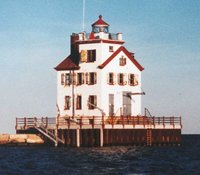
(110,48)
(111,78)
(67,79)
(91,55)
(121,79)
(92,102)
(133,80)
(122,61)
(80,78)
(62,79)
(91,78)
(79,102)
(88,55)
(67,103)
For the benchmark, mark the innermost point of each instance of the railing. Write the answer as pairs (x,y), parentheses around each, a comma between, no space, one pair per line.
(110,36)
(94,121)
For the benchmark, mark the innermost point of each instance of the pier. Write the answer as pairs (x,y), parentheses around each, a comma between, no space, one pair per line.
(98,131)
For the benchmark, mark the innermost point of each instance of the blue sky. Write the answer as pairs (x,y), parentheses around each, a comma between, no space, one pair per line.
(164,34)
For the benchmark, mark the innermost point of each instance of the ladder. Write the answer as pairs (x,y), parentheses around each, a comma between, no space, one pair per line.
(149,137)
(53,137)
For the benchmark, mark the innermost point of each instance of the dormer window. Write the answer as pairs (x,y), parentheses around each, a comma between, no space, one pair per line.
(122,61)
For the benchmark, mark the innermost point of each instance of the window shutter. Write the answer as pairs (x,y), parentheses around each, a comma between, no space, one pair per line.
(94,55)
(70,102)
(62,79)
(129,79)
(124,79)
(95,100)
(83,56)
(108,78)
(77,102)
(82,78)
(65,79)
(119,78)
(89,101)
(95,77)
(114,78)
(124,61)
(135,80)
(87,78)
(74,78)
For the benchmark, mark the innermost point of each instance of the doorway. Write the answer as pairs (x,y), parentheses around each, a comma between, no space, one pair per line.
(126,103)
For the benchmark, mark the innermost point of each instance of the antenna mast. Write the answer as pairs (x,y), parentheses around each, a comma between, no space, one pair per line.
(83,15)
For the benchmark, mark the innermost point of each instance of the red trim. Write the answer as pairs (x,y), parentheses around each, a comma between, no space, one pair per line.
(100,21)
(123,49)
(113,41)
(90,41)
(67,64)
(92,35)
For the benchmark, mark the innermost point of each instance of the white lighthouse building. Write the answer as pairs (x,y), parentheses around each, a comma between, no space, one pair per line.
(99,97)
(99,77)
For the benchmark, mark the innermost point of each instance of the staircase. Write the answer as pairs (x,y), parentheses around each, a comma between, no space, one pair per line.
(149,137)
(53,137)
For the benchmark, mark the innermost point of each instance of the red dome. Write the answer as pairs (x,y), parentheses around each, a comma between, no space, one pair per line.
(100,22)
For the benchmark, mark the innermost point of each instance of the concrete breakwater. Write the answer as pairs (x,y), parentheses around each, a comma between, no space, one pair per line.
(20,139)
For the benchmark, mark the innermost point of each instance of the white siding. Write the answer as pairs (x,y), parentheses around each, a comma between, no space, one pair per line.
(102,89)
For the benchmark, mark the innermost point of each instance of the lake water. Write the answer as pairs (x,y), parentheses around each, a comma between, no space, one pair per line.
(138,160)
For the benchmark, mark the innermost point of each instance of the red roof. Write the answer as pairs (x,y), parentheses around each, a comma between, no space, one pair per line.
(67,64)
(128,54)
(100,21)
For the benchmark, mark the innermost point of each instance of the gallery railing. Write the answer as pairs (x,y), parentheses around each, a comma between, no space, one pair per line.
(96,121)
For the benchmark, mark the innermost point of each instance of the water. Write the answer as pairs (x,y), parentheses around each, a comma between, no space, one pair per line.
(184,159)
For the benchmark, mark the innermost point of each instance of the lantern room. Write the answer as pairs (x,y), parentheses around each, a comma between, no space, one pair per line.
(100,26)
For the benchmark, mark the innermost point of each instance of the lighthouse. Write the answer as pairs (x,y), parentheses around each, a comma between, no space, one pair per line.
(100,76)
(99,97)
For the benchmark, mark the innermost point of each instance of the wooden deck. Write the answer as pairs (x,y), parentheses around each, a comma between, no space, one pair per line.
(95,122)
(105,131)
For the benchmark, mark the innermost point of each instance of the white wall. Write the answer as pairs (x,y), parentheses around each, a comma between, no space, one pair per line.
(101,89)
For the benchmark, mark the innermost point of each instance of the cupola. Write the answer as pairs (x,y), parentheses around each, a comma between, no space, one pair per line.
(100,26)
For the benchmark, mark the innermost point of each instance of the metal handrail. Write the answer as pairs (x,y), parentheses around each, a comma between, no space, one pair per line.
(97,120)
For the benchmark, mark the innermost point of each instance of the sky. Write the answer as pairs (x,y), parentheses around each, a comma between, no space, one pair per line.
(163,34)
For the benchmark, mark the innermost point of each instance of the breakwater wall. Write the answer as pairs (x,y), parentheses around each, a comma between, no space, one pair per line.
(20,139)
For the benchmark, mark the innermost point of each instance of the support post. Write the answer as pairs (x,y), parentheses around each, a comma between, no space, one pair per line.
(101,137)
(35,121)
(46,122)
(181,122)
(102,121)
(16,125)
(56,136)
(77,138)
(24,122)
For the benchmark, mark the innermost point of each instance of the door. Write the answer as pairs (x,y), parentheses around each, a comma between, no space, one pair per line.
(111,104)
(126,103)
